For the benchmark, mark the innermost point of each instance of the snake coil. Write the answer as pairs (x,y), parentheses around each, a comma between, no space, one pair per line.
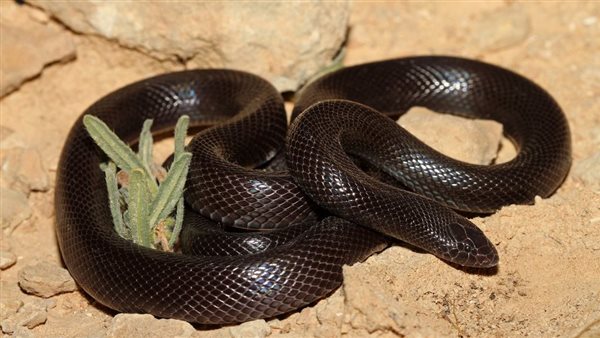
(339,119)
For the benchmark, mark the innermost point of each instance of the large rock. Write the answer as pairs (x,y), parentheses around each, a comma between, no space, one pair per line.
(284,42)
(474,141)
(29,45)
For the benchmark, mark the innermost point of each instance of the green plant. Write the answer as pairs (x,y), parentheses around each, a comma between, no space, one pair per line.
(142,197)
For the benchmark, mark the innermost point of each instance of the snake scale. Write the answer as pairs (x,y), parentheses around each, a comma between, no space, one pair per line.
(321,212)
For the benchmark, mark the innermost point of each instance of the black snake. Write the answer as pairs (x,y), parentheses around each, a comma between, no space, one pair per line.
(339,122)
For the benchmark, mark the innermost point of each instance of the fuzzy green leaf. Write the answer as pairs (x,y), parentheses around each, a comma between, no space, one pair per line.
(138,207)
(178,222)
(110,143)
(170,190)
(110,174)
(145,146)
(180,133)
(116,149)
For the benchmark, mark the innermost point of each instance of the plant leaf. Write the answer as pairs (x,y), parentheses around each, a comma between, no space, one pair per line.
(116,149)
(180,133)
(170,191)
(110,143)
(178,223)
(138,207)
(110,174)
(145,147)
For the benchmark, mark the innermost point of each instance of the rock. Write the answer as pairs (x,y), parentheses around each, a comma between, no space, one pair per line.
(256,328)
(29,315)
(15,208)
(22,332)
(137,325)
(500,29)
(45,280)
(274,41)
(473,141)
(11,301)
(7,259)
(29,45)
(588,171)
(23,170)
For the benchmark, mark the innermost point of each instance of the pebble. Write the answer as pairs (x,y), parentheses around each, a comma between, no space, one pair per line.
(7,259)
(29,315)
(45,280)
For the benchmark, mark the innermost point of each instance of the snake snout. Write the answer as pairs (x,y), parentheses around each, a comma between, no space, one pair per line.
(471,247)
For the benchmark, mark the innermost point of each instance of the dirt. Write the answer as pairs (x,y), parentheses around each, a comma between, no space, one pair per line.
(548,280)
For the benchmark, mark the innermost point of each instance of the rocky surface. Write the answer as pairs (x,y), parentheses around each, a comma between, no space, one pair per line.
(547,283)
(271,40)
(138,325)
(23,170)
(15,208)
(29,42)
(29,315)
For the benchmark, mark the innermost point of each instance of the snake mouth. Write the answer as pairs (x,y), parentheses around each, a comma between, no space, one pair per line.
(470,246)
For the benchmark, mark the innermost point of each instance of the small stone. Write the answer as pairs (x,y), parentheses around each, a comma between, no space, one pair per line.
(469,140)
(144,325)
(588,171)
(501,29)
(23,170)
(45,280)
(7,259)
(29,315)
(15,208)
(256,328)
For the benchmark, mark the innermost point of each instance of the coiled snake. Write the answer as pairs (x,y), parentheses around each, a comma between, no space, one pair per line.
(338,121)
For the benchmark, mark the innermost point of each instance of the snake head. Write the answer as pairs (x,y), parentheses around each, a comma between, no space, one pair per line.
(468,246)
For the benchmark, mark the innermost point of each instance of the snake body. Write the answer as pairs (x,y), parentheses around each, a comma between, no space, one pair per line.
(338,118)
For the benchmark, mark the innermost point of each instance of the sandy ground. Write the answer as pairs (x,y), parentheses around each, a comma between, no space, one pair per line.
(548,281)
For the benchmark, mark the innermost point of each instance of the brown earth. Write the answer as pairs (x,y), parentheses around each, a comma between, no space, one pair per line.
(548,281)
